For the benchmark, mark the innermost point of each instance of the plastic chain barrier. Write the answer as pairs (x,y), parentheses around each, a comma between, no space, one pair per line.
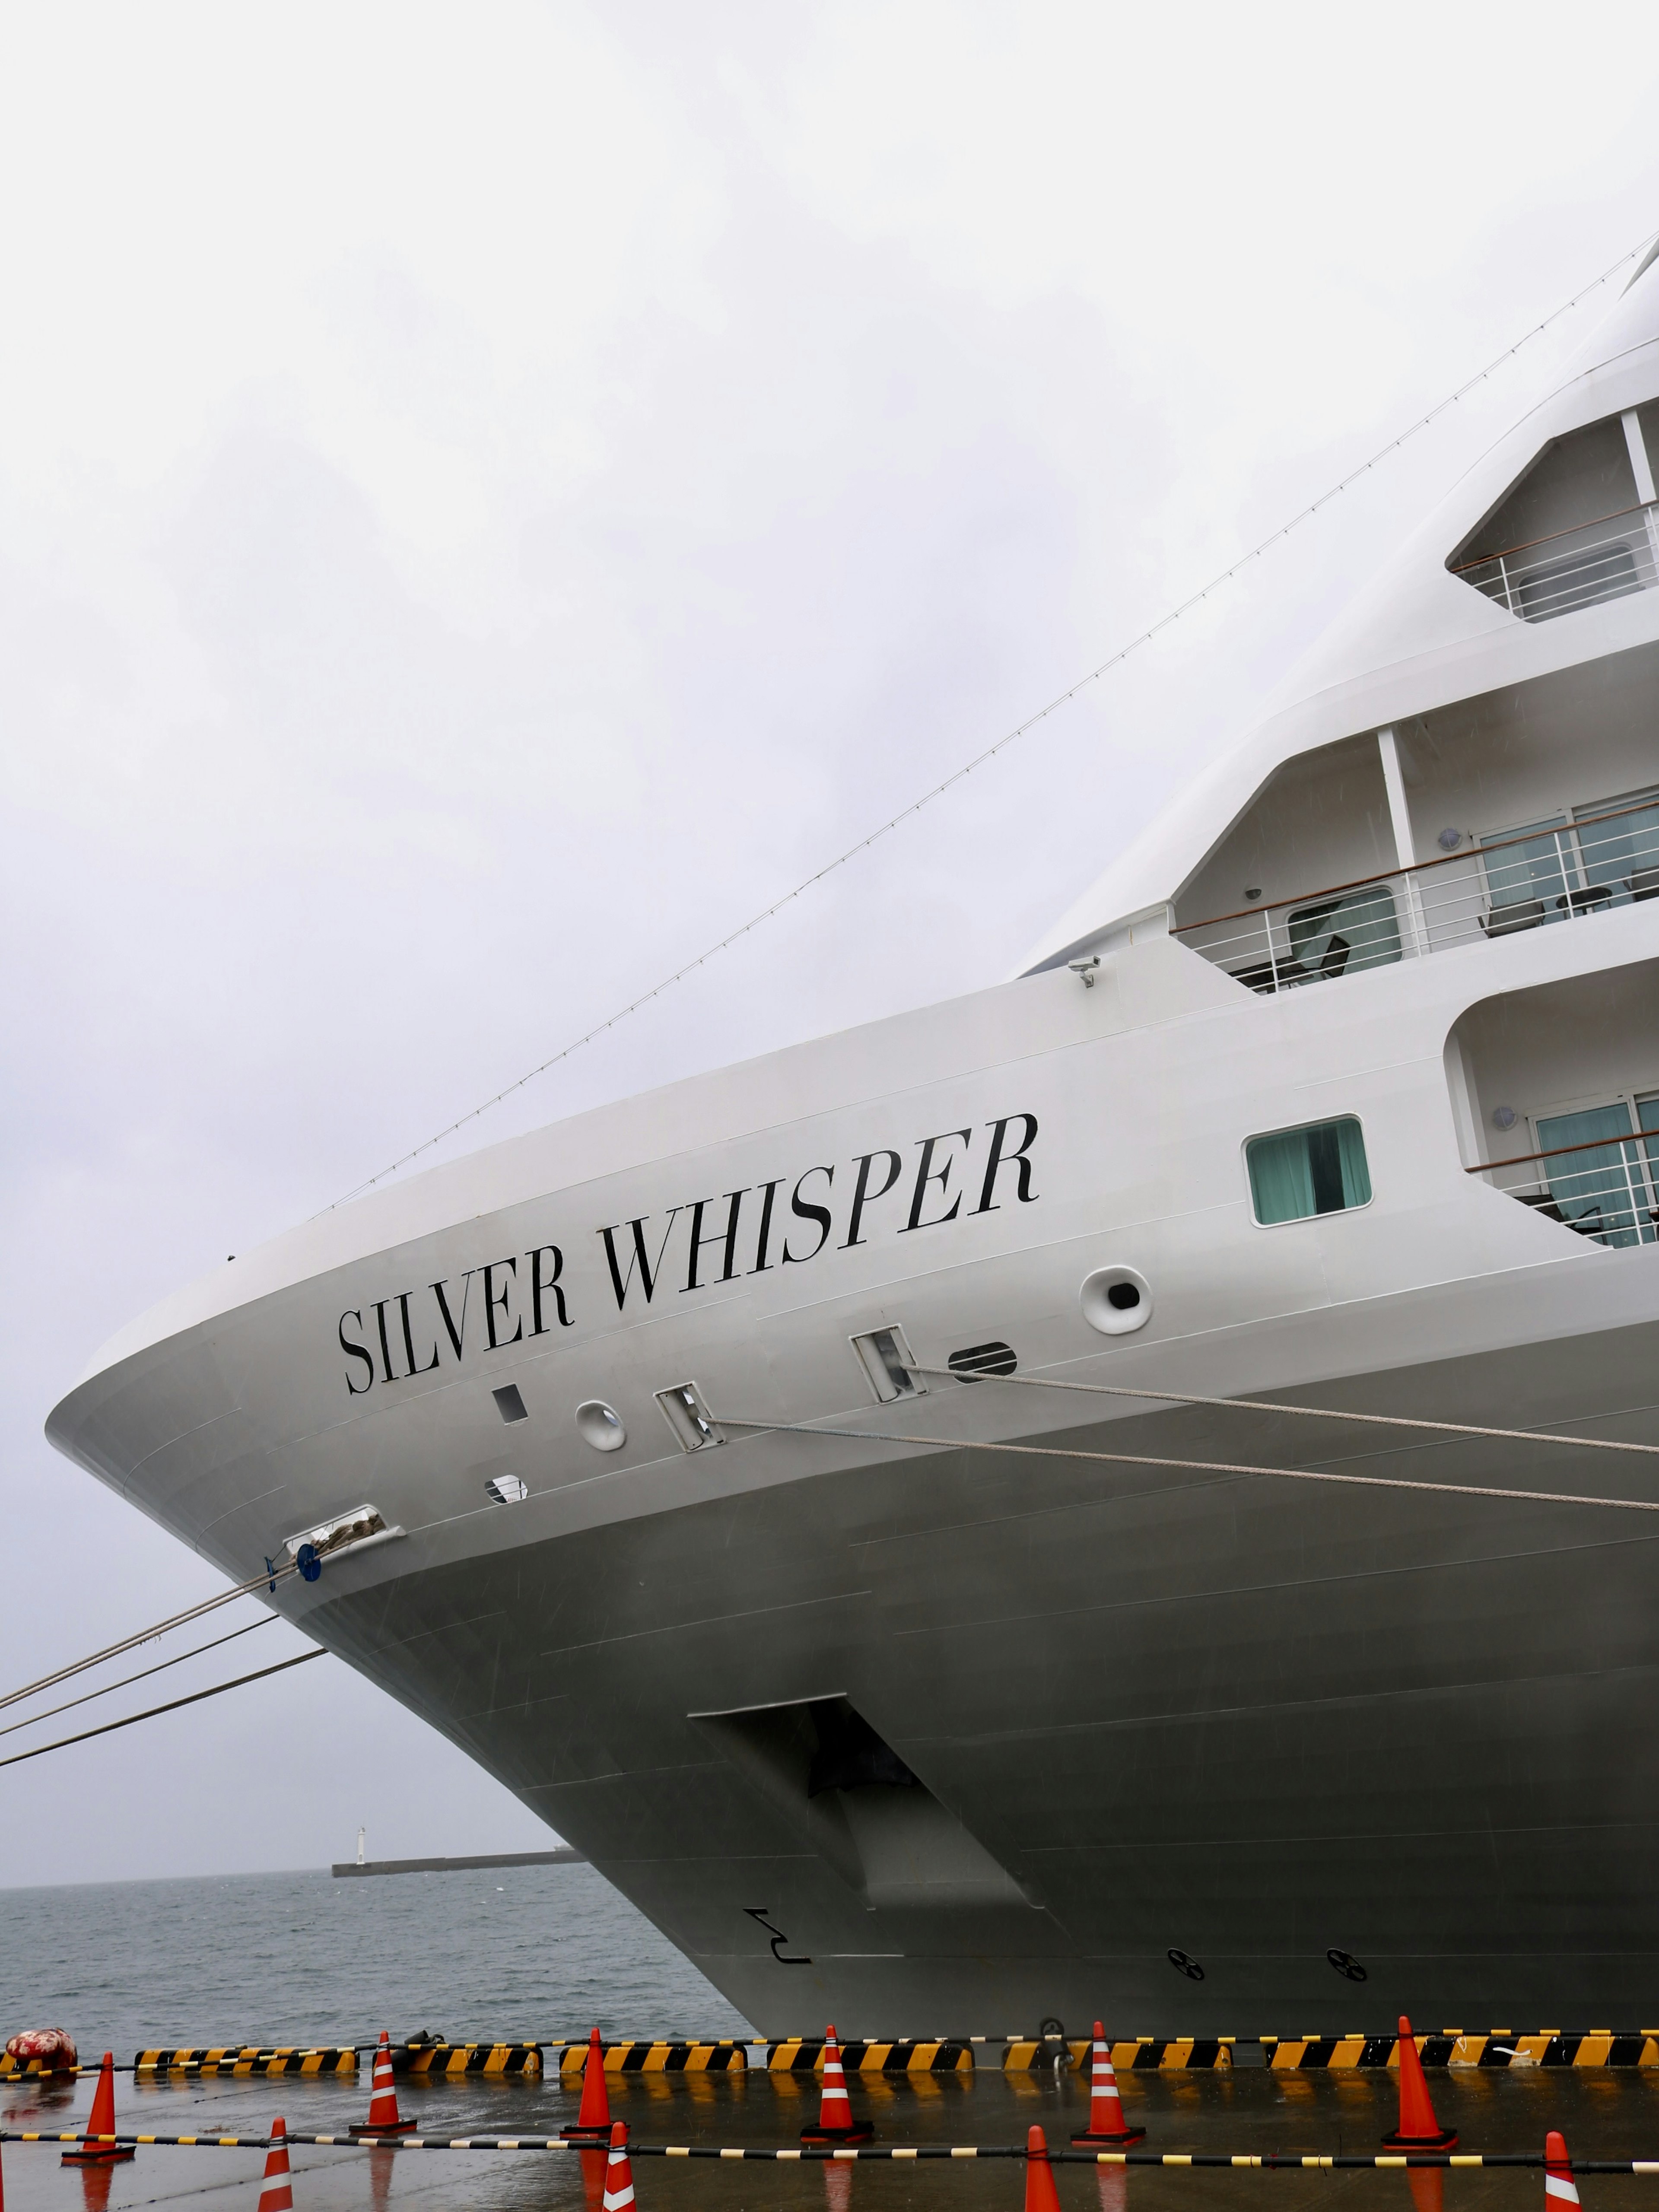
(1318,2162)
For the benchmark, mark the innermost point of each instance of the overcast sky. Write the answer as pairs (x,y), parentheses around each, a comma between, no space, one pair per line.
(489,496)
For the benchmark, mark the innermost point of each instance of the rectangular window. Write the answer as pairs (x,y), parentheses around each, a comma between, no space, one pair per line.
(1340,936)
(1301,1172)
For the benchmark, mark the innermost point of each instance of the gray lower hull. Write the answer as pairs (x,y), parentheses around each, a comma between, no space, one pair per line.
(1251,1720)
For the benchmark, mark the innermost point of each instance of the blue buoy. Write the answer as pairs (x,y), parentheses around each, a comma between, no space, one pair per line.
(309,1565)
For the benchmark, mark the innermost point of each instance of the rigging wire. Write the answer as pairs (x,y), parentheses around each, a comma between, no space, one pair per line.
(194,1698)
(1192,1465)
(1310,1413)
(990,752)
(272,1575)
(160,1667)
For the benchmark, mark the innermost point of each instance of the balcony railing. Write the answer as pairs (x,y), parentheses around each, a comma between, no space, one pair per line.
(1604,1189)
(1608,559)
(1559,871)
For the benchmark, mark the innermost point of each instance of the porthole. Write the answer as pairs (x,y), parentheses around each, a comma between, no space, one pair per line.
(1116,1301)
(509,1402)
(600,1425)
(506,1489)
(1184,1964)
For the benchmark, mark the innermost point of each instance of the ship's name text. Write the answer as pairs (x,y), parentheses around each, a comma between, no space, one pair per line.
(784,1223)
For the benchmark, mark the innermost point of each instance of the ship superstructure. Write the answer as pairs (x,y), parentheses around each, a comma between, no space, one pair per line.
(650,1455)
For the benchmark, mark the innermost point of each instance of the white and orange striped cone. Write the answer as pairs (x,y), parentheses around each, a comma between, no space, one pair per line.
(1560,2190)
(276,2194)
(618,2173)
(383,2098)
(1107,2130)
(592,2122)
(835,2122)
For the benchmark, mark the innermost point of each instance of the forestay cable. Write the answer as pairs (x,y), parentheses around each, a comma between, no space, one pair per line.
(990,752)
(1190,1466)
(1310,1413)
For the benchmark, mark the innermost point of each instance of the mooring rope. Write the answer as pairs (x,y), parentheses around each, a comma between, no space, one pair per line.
(171,1706)
(1309,1413)
(125,1682)
(1190,1466)
(272,1576)
(814,2154)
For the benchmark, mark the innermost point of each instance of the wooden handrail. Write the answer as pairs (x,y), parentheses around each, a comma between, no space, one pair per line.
(1418,868)
(1549,538)
(1590,1145)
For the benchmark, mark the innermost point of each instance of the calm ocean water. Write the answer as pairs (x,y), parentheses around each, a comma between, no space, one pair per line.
(503,1953)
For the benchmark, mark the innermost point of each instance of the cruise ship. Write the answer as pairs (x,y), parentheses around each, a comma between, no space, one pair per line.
(701,1465)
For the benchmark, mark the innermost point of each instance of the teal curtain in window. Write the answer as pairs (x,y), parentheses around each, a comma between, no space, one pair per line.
(1281,1177)
(1301,1172)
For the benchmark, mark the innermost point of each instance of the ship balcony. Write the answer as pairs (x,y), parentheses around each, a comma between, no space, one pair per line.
(1578,863)
(1557,574)
(1605,1187)
(1554,1090)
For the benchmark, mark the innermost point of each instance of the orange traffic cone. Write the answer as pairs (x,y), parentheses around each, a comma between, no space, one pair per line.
(835,2122)
(1107,2129)
(618,2173)
(1418,2129)
(1040,2194)
(1559,2187)
(102,2122)
(274,2194)
(383,2098)
(592,2121)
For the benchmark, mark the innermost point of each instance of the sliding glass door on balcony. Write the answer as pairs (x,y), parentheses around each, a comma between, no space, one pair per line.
(1576,862)
(1595,1175)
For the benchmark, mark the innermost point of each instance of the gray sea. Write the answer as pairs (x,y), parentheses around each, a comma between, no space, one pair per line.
(503,1955)
(538,1953)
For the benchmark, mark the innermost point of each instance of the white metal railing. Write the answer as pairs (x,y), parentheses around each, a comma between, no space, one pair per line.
(1607,559)
(1604,1189)
(1560,870)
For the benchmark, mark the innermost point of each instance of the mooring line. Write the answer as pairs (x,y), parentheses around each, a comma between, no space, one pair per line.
(824,2154)
(272,1576)
(1189,1466)
(125,1682)
(171,1706)
(1307,1412)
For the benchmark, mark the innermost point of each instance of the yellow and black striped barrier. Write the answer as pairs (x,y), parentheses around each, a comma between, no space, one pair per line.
(1280,2161)
(1024,2054)
(247,2058)
(799,2054)
(448,2058)
(1496,2047)
(663,2055)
